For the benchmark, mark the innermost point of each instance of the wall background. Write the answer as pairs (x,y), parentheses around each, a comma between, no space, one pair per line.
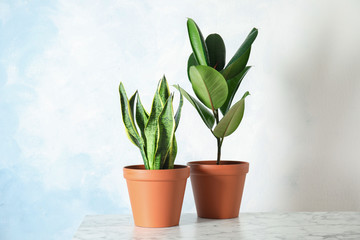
(62,141)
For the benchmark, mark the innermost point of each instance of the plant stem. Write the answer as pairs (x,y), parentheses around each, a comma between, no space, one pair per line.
(219,140)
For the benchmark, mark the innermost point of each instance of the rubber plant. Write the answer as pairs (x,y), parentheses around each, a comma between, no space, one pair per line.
(216,83)
(153,133)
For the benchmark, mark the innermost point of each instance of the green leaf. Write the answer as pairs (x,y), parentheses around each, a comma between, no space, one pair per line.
(166,133)
(128,120)
(235,68)
(197,43)
(178,112)
(172,154)
(233,85)
(131,104)
(209,86)
(216,49)
(191,62)
(241,57)
(152,129)
(232,119)
(141,116)
(204,113)
(163,89)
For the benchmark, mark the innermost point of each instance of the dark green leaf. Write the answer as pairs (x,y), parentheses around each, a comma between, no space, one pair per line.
(233,85)
(209,86)
(241,57)
(152,129)
(163,89)
(216,49)
(130,128)
(141,116)
(204,113)
(191,62)
(166,125)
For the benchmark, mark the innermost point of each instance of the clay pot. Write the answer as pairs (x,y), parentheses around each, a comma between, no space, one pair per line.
(156,196)
(218,189)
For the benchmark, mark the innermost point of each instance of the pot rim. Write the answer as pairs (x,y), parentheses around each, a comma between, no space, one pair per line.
(207,168)
(213,162)
(139,173)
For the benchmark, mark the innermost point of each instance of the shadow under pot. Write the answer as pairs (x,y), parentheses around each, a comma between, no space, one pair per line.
(156,196)
(218,189)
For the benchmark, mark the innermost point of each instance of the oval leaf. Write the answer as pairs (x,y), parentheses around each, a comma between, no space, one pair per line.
(197,42)
(209,86)
(229,123)
(216,49)
(205,115)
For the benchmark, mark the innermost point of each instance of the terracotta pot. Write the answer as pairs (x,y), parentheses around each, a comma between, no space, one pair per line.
(156,196)
(218,189)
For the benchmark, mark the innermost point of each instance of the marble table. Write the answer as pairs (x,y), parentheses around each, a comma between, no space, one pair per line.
(265,226)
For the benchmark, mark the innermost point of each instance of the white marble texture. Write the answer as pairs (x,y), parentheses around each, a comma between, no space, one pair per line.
(301,225)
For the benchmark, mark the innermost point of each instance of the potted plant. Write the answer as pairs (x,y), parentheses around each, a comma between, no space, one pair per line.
(217,185)
(156,188)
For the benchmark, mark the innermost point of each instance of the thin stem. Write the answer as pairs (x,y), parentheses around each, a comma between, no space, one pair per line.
(219,140)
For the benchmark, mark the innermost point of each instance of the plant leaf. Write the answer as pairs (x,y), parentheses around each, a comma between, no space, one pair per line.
(204,113)
(178,112)
(232,119)
(130,128)
(209,86)
(241,57)
(127,118)
(216,49)
(172,154)
(131,104)
(152,129)
(191,62)
(233,85)
(166,133)
(163,89)
(197,43)
(141,116)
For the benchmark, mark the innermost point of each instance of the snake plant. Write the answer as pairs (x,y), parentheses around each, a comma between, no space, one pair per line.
(216,83)
(153,133)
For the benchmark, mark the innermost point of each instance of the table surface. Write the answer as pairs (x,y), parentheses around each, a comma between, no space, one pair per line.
(298,225)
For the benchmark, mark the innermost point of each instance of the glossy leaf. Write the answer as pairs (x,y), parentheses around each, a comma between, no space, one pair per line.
(191,62)
(152,129)
(197,43)
(178,112)
(241,57)
(163,89)
(233,85)
(216,49)
(229,123)
(209,86)
(166,133)
(204,113)
(235,68)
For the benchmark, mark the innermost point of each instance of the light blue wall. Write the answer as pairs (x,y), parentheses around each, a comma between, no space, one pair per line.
(62,141)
